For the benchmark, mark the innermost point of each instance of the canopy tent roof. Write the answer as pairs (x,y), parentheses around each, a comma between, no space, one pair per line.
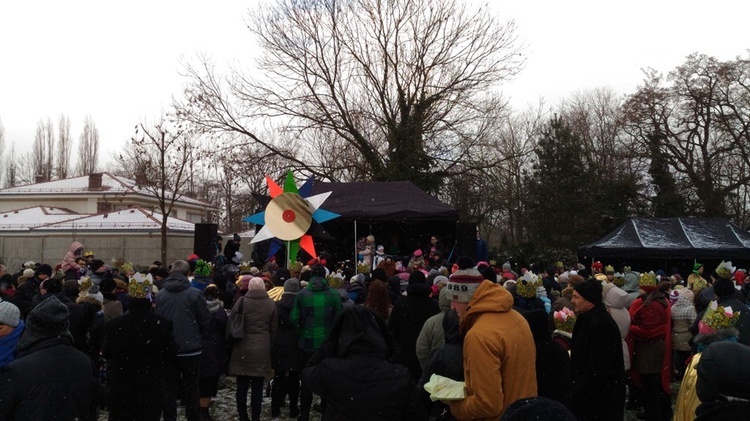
(384,201)
(672,238)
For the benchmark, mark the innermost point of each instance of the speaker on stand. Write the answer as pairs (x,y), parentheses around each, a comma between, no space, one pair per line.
(205,235)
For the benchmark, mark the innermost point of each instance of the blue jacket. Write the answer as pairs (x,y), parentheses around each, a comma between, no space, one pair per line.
(187,309)
(8,345)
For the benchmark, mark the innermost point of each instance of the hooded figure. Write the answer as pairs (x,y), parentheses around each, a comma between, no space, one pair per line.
(724,382)
(68,265)
(49,379)
(353,374)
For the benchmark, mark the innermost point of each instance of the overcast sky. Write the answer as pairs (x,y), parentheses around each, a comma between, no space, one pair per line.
(119,62)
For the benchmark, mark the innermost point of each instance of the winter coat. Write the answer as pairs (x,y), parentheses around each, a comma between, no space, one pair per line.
(723,384)
(683,315)
(353,374)
(25,294)
(137,346)
(69,261)
(50,380)
(596,367)
(407,319)
(552,360)
(498,355)
(432,336)
(446,360)
(616,301)
(315,309)
(214,351)
(251,356)
(285,353)
(8,345)
(187,309)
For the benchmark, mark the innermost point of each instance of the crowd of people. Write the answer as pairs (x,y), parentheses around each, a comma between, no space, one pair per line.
(567,343)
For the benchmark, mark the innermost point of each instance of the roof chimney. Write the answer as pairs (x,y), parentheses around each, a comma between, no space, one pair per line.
(95,181)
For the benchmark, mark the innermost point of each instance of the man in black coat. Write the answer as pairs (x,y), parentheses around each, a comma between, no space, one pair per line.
(353,374)
(596,362)
(137,346)
(50,379)
(407,318)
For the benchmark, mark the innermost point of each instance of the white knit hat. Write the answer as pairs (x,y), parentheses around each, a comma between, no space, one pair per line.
(9,314)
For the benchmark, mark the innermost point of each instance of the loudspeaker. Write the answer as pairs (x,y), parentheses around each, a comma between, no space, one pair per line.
(466,240)
(202,242)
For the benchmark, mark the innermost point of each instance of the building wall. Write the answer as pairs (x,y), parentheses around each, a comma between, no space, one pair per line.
(137,248)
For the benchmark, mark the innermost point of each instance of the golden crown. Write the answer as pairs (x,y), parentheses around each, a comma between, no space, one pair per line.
(565,319)
(527,284)
(725,269)
(85,283)
(719,317)
(647,279)
(609,269)
(140,286)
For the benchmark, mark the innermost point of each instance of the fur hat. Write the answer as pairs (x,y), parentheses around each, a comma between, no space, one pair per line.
(590,290)
(43,269)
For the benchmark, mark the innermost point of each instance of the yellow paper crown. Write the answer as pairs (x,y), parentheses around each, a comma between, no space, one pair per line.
(564,320)
(619,279)
(559,264)
(245,266)
(609,269)
(647,279)
(527,284)
(718,317)
(725,269)
(140,286)
(85,284)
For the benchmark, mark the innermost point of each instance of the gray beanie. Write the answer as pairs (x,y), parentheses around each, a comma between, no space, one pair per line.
(291,285)
(49,319)
(9,314)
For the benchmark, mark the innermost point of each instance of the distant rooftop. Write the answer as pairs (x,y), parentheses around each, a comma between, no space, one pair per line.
(111,184)
(43,218)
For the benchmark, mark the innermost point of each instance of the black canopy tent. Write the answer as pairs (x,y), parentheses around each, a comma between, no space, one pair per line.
(392,211)
(671,240)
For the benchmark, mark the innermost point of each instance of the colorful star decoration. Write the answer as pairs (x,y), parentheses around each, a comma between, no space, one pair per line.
(292,215)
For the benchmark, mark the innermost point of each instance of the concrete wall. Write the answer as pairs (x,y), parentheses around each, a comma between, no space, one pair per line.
(137,248)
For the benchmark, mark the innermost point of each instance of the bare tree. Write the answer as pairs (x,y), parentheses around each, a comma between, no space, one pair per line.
(88,148)
(396,87)
(161,154)
(700,115)
(63,147)
(43,150)
(11,168)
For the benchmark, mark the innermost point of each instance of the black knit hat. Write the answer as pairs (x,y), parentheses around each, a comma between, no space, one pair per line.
(49,319)
(590,290)
(318,271)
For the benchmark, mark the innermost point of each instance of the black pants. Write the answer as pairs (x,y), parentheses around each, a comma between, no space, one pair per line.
(286,382)
(255,385)
(657,404)
(305,394)
(183,371)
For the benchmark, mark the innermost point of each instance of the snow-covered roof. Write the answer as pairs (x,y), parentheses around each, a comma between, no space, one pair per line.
(134,219)
(22,219)
(111,184)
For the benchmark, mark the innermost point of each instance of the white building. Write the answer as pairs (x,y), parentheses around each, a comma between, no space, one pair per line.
(112,216)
